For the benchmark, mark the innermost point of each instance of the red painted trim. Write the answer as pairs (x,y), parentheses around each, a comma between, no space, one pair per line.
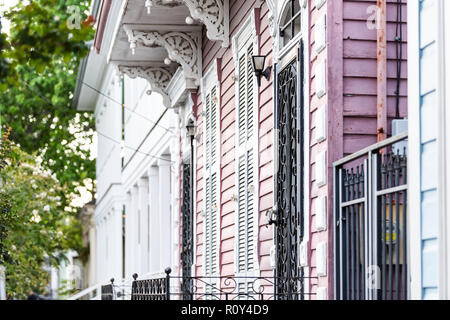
(103,18)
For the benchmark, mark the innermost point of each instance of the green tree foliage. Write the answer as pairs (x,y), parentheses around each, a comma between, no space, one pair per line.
(49,156)
(39,225)
(5,204)
(40,59)
(4,66)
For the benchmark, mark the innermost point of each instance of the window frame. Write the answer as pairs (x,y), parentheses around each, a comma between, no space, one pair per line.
(246,36)
(282,49)
(208,83)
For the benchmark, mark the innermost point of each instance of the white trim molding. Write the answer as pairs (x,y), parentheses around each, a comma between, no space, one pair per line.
(442,145)
(180,88)
(414,194)
(276,9)
(446,93)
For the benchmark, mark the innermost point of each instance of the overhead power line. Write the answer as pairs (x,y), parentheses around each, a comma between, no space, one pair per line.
(99,133)
(123,105)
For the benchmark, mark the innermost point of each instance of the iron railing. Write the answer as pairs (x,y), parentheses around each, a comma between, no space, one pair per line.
(209,288)
(108,291)
(151,289)
(370,215)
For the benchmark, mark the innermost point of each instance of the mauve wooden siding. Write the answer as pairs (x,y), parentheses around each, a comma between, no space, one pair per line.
(239,12)
(350,101)
(360,81)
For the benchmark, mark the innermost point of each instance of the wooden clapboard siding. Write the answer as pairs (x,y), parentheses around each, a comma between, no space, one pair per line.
(360,73)
(351,99)
(239,12)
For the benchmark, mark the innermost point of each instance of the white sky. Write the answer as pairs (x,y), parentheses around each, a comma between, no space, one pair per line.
(4,6)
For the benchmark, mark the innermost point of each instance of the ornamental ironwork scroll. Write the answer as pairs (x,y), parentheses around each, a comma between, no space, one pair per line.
(289,215)
(215,288)
(187,253)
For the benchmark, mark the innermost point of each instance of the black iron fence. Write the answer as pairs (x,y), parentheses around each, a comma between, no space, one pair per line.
(108,291)
(151,289)
(370,222)
(208,288)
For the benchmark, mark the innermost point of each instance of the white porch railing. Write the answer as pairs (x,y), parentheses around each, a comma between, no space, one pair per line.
(91,293)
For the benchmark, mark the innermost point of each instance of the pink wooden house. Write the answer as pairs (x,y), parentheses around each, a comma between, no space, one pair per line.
(336,87)
(257,191)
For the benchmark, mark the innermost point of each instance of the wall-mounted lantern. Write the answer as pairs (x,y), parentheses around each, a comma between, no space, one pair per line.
(191,129)
(258,68)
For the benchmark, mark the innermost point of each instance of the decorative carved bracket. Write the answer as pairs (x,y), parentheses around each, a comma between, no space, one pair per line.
(215,15)
(158,78)
(183,47)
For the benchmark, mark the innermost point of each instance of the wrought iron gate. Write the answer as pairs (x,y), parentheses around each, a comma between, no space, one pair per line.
(289,173)
(371,216)
(187,253)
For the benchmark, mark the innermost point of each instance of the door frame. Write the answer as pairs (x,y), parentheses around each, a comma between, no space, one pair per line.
(296,52)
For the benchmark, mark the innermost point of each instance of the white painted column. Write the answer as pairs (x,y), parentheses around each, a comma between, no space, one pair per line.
(128,252)
(175,156)
(117,241)
(165,213)
(134,229)
(100,271)
(108,246)
(105,243)
(111,249)
(137,230)
(53,282)
(2,283)
(153,182)
(101,244)
(93,256)
(144,223)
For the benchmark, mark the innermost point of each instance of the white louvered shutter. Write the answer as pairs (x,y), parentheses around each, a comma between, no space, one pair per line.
(246,165)
(211,237)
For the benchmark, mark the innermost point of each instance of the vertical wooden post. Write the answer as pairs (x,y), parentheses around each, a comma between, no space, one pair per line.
(381,71)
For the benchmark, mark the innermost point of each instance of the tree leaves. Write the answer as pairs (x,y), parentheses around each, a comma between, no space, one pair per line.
(47,162)
(38,224)
(40,62)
